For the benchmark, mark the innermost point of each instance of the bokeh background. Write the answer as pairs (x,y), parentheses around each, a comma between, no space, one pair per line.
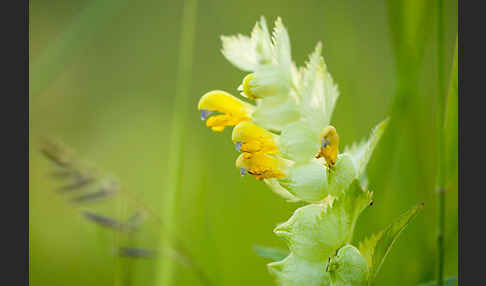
(103,77)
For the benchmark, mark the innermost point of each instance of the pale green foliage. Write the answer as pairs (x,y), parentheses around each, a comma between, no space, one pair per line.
(354,201)
(341,176)
(306,181)
(275,112)
(269,60)
(275,77)
(348,267)
(315,231)
(367,247)
(299,142)
(275,186)
(317,90)
(376,248)
(248,53)
(296,271)
(312,181)
(240,51)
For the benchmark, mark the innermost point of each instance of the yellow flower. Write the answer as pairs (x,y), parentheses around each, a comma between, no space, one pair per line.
(261,166)
(251,138)
(329,145)
(245,87)
(233,110)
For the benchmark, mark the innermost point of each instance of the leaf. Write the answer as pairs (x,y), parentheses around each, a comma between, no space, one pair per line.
(318,91)
(362,153)
(249,53)
(263,44)
(376,248)
(281,44)
(307,181)
(317,230)
(309,73)
(355,200)
(240,51)
(271,80)
(296,271)
(367,247)
(348,267)
(275,186)
(275,112)
(448,282)
(274,77)
(341,175)
(298,142)
(275,254)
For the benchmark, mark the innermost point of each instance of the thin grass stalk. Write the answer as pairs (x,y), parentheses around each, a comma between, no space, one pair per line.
(443,162)
(68,170)
(441,97)
(164,276)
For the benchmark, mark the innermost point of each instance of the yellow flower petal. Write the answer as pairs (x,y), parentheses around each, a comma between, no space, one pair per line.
(251,138)
(233,110)
(245,87)
(260,166)
(329,145)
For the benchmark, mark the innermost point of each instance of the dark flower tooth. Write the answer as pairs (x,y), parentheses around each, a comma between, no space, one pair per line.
(238,146)
(205,114)
(136,252)
(102,220)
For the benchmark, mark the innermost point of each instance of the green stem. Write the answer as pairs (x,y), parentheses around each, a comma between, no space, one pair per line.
(441,148)
(177,137)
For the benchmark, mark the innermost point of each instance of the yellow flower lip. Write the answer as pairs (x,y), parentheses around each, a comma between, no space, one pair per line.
(233,110)
(251,138)
(260,166)
(329,145)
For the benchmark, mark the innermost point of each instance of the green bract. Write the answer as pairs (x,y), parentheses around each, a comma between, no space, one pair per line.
(286,140)
(348,267)
(297,271)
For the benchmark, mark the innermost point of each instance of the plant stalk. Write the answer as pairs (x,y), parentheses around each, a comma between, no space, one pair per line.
(441,142)
(164,276)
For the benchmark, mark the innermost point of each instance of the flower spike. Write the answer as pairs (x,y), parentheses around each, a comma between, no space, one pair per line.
(286,141)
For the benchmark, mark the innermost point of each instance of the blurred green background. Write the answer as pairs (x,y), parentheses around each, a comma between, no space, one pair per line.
(103,80)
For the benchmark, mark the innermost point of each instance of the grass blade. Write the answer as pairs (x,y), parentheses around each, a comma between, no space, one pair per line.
(179,116)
